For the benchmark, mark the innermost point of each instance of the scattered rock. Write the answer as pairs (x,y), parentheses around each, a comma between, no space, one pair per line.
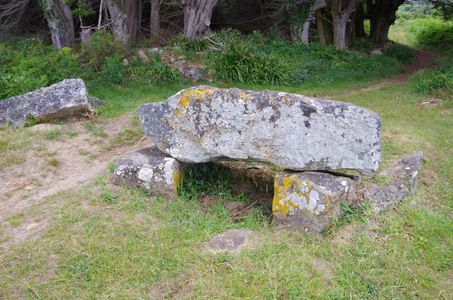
(142,55)
(376,52)
(191,71)
(310,199)
(231,241)
(402,177)
(290,131)
(151,170)
(125,62)
(61,100)
(431,102)
(44,127)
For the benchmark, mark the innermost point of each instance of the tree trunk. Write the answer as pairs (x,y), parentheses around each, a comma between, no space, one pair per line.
(154,24)
(317,5)
(197,17)
(324,28)
(359,19)
(61,24)
(341,11)
(382,14)
(126,19)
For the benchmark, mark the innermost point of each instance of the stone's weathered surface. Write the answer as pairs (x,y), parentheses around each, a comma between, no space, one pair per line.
(310,199)
(151,170)
(191,71)
(63,99)
(231,241)
(291,131)
(402,177)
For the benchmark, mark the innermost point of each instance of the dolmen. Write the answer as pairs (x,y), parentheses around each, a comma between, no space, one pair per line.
(313,141)
(61,100)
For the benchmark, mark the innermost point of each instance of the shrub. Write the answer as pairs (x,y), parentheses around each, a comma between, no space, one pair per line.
(101,45)
(429,81)
(112,70)
(155,72)
(400,52)
(240,62)
(31,64)
(431,32)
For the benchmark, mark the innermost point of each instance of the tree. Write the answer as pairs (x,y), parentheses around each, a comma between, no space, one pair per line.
(59,18)
(382,14)
(341,11)
(317,5)
(154,23)
(197,17)
(126,19)
(11,12)
(444,6)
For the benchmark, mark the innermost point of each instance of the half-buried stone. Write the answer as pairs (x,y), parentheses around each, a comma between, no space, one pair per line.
(151,170)
(296,132)
(66,98)
(311,199)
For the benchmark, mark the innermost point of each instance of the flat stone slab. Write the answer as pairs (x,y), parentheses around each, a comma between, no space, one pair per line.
(310,199)
(402,178)
(151,170)
(231,241)
(66,98)
(296,132)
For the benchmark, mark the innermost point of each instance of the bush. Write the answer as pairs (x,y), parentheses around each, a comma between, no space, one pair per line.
(112,70)
(30,64)
(429,81)
(400,52)
(240,62)
(431,32)
(101,45)
(156,72)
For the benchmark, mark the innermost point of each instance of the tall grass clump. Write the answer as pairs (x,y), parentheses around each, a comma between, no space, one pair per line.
(240,62)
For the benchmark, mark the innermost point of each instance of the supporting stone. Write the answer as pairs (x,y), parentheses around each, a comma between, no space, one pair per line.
(151,170)
(310,199)
(401,176)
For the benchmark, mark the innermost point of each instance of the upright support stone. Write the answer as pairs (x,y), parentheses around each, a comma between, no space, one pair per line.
(310,199)
(151,170)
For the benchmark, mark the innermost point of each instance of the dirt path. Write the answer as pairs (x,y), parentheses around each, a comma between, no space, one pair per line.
(425,59)
(61,164)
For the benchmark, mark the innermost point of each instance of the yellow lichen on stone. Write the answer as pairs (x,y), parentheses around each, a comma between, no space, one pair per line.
(192,94)
(292,193)
(246,96)
(177,180)
(281,191)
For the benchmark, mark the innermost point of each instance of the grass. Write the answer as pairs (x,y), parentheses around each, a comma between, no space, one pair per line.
(104,241)
(101,233)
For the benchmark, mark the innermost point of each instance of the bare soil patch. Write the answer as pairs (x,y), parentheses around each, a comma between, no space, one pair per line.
(75,157)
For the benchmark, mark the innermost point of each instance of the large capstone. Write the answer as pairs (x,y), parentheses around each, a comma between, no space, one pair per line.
(291,131)
(61,100)
(311,199)
(150,170)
